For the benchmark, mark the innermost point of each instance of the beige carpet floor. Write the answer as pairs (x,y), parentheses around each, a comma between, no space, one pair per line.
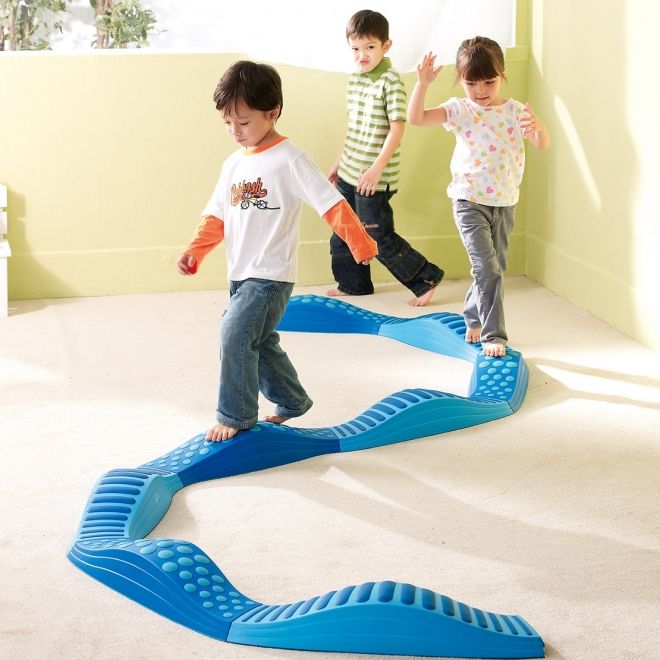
(552,513)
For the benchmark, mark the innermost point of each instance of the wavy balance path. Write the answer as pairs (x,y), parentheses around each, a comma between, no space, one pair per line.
(177,579)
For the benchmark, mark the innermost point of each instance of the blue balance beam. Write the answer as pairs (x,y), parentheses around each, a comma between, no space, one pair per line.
(178,580)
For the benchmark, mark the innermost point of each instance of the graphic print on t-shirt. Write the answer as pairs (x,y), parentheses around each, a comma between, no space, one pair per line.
(251,192)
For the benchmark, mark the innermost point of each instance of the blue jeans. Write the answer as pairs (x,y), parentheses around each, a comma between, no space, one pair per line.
(251,359)
(409,267)
(485,232)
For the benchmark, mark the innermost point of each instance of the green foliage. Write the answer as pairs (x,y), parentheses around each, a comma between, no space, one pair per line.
(28,24)
(122,23)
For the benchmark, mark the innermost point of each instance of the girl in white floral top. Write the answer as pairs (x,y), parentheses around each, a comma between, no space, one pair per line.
(487,168)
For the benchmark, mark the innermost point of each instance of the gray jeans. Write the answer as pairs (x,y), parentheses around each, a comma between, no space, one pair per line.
(485,232)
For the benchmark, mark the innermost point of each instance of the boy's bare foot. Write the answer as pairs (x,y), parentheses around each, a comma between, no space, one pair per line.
(424,299)
(275,419)
(335,293)
(494,349)
(473,335)
(220,432)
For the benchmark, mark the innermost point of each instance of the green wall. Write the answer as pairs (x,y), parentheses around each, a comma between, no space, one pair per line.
(593,231)
(109,159)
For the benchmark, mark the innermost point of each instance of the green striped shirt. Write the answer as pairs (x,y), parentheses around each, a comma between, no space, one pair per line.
(374,100)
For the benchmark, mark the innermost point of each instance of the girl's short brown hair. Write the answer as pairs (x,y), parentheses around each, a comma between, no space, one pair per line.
(479,58)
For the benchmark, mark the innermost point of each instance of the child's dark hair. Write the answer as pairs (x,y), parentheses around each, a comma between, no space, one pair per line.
(259,86)
(479,58)
(367,23)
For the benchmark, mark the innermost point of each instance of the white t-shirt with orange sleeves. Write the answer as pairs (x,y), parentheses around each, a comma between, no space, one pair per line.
(259,198)
(489,158)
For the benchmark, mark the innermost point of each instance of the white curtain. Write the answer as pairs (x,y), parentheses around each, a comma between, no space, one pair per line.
(307,33)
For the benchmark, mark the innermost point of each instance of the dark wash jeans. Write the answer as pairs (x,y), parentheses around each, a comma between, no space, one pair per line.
(409,267)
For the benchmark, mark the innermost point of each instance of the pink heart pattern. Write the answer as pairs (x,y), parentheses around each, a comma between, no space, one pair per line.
(491,164)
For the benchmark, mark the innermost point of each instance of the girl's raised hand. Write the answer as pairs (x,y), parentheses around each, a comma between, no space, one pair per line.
(427,72)
(528,121)
(533,128)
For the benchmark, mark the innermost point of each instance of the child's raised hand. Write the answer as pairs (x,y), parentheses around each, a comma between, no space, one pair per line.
(534,129)
(529,122)
(186,264)
(427,72)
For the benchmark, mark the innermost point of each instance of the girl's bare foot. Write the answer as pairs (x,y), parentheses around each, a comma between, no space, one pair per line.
(494,349)
(275,419)
(335,293)
(424,299)
(473,335)
(220,432)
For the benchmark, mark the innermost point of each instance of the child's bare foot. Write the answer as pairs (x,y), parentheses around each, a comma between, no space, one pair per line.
(335,293)
(275,419)
(220,432)
(424,299)
(494,349)
(473,335)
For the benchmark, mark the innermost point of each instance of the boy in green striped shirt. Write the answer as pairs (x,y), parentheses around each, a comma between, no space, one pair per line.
(367,170)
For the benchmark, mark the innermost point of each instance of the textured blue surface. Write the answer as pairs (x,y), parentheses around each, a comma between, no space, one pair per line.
(178,580)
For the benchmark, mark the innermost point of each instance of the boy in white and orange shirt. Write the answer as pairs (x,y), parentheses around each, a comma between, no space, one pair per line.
(256,208)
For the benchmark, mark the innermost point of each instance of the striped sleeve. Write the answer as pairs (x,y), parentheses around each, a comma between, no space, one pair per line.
(395,97)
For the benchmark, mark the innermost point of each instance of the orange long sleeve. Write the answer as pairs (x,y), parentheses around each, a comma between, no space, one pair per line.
(210,232)
(342,220)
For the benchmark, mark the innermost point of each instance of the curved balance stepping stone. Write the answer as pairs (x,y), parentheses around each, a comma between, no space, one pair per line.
(177,579)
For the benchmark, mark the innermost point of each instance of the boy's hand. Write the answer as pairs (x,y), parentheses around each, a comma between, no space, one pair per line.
(186,264)
(368,182)
(366,262)
(427,72)
(333,175)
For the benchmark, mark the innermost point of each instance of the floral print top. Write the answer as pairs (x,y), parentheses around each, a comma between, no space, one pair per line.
(489,158)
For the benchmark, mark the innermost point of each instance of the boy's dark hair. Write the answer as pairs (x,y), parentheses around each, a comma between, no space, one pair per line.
(367,23)
(479,58)
(259,86)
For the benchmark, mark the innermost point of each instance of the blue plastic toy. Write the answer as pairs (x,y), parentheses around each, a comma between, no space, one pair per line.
(180,581)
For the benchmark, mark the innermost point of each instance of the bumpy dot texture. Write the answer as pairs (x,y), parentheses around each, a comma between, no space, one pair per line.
(496,378)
